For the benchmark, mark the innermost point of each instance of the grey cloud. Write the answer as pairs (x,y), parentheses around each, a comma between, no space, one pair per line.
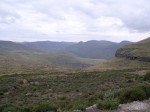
(134,14)
(7,13)
(76,16)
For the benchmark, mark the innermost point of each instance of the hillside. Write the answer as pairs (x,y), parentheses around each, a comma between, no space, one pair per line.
(8,46)
(17,58)
(96,49)
(136,55)
(137,51)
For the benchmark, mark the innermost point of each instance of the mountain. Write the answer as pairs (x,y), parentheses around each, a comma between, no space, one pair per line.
(137,51)
(39,56)
(16,57)
(135,55)
(96,49)
(8,46)
(48,46)
(90,49)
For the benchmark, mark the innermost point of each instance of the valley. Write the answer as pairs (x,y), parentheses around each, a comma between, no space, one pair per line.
(36,80)
(74,56)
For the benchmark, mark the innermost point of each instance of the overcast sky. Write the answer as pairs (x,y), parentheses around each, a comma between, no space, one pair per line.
(74,20)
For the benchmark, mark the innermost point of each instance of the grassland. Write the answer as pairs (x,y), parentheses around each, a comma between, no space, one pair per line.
(67,91)
(119,64)
(25,62)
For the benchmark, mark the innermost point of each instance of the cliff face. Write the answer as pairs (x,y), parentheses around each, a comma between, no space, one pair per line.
(130,57)
(138,51)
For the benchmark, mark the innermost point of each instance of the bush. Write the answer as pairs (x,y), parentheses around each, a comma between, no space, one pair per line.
(132,94)
(108,104)
(79,106)
(44,108)
(9,109)
(110,100)
(147,77)
(147,90)
(112,94)
(1,93)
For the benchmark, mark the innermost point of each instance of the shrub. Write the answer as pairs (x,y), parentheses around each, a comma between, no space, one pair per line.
(130,80)
(44,108)
(110,100)
(108,104)
(112,94)
(79,106)
(147,90)
(9,109)
(132,94)
(1,93)
(147,77)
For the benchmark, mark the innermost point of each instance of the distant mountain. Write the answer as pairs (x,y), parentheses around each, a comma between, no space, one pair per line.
(16,57)
(48,46)
(8,46)
(96,49)
(35,56)
(90,49)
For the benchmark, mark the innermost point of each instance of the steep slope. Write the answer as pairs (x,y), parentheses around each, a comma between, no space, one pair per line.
(96,49)
(48,46)
(136,55)
(138,51)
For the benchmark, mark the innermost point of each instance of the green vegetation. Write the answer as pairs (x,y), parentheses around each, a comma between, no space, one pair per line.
(112,99)
(119,64)
(32,108)
(70,91)
(147,77)
(132,94)
(108,104)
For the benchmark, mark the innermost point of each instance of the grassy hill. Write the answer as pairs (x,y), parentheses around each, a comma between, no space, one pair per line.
(8,46)
(139,49)
(17,58)
(136,55)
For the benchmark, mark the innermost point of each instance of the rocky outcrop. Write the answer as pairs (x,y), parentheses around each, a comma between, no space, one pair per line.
(123,53)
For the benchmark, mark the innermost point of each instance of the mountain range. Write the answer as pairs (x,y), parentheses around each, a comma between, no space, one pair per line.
(90,49)
(35,56)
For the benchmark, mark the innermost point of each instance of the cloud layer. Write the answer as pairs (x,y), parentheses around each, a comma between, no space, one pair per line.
(74,20)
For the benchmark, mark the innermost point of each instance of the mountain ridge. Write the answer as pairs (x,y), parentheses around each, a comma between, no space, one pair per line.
(90,49)
(138,51)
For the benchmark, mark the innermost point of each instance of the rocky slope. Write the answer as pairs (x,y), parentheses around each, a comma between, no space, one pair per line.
(138,51)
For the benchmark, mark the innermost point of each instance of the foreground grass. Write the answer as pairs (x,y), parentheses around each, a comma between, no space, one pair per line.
(66,91)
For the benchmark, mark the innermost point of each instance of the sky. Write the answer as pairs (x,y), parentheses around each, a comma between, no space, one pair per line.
(74,20)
